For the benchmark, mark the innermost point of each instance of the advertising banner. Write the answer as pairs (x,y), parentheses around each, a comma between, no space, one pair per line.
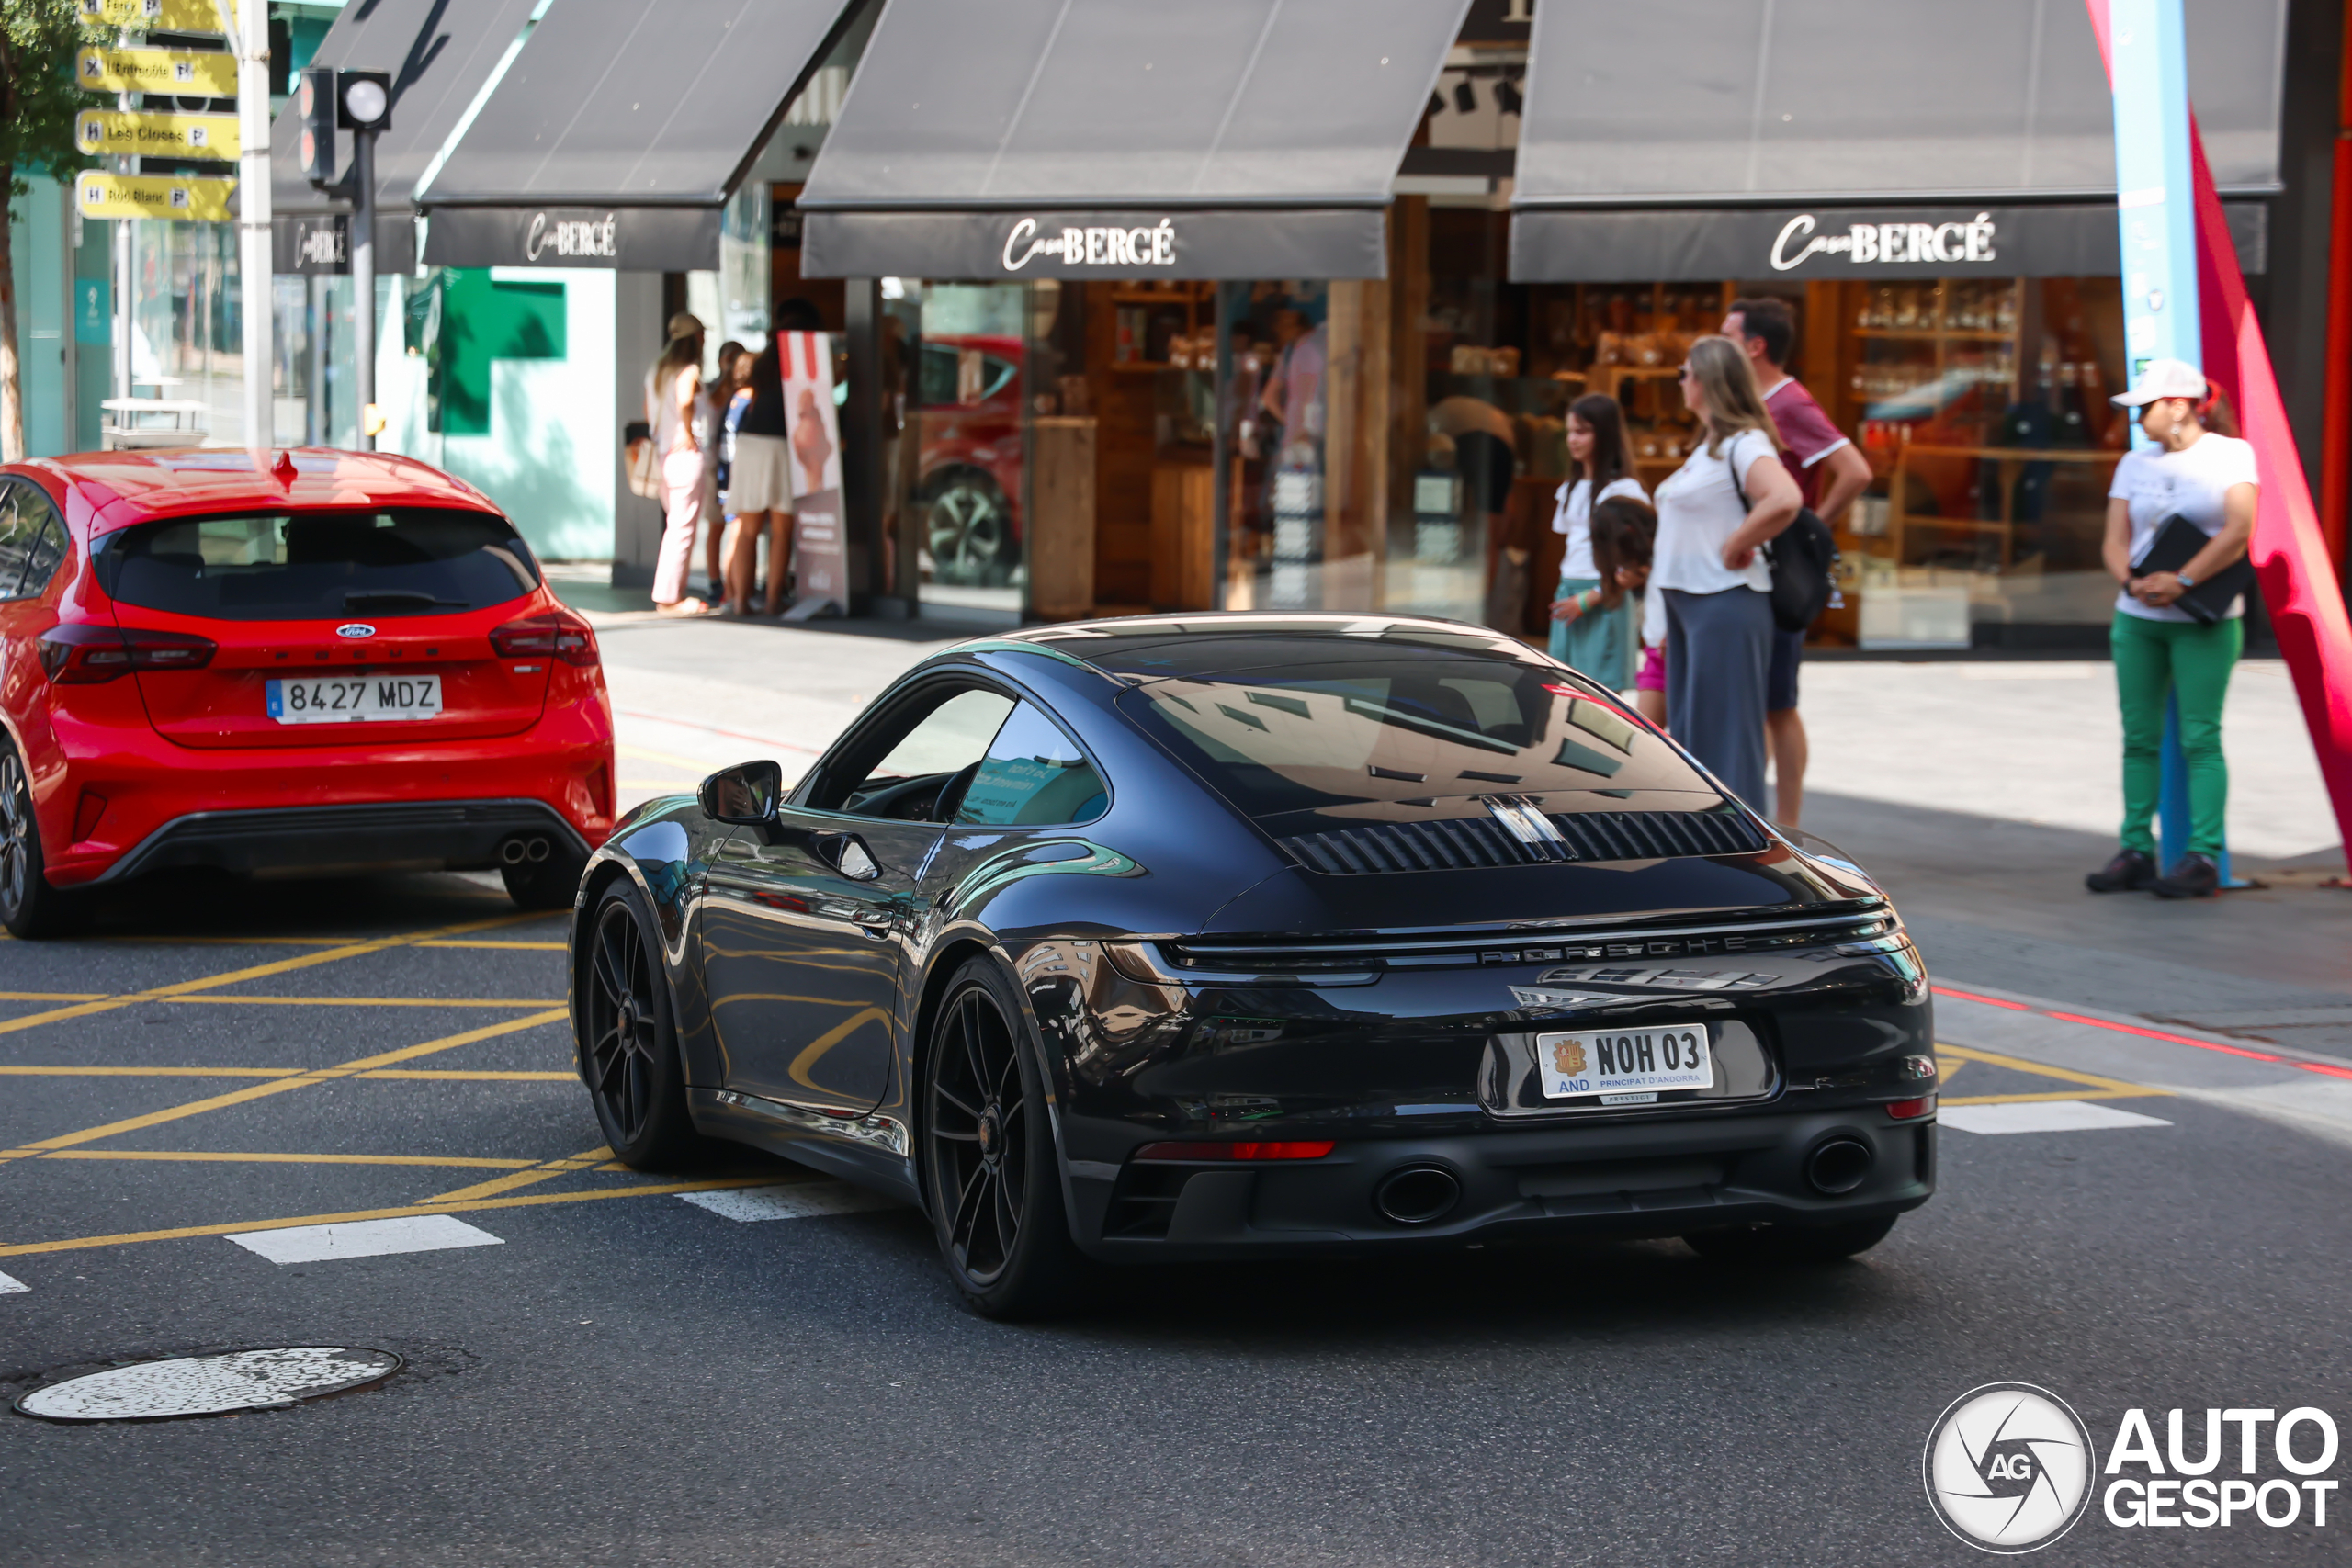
(820,546)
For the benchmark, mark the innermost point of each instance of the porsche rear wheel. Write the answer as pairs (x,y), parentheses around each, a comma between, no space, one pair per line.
(994,1175)
(628,1039)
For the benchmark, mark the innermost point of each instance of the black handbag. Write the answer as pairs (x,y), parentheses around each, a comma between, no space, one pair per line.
(1803,560)
(2177,542)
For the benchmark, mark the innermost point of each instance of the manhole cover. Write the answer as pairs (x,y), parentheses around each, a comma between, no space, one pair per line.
(210,1385)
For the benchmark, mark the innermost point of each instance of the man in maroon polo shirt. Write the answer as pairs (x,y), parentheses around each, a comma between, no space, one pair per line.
(1829,473)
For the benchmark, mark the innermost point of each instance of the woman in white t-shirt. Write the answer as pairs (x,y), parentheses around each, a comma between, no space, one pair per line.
(2161,650)
(1587,633)
(1714,513)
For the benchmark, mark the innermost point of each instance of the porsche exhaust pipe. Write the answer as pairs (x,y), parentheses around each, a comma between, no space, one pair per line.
(1839,1166)
(1418,1195)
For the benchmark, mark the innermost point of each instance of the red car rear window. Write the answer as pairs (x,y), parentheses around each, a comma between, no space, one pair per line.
(297,566)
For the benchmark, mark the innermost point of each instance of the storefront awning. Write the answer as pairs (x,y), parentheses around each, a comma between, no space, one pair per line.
(439,53)
(1680,130)
(620,130)
(1123,139)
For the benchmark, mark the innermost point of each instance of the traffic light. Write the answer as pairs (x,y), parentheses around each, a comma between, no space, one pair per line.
(317,100)
(366,100)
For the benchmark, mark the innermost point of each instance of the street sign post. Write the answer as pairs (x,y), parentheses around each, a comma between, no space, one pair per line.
(97,194)
(156,15)
(112,134)
(166,73)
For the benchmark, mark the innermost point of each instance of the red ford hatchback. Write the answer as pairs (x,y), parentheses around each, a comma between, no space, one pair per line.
(322,662)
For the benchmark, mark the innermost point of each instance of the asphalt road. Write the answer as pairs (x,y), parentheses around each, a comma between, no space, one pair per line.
(629,1376)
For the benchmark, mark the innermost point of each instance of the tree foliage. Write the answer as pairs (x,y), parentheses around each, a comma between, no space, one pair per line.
(38,94)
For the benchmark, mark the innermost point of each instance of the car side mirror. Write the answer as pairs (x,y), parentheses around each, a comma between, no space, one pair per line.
(745,795)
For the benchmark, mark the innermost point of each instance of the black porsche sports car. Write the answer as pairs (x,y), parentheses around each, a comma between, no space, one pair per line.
(1227,936)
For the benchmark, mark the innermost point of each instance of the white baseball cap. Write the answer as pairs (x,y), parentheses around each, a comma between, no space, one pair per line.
(2163,378)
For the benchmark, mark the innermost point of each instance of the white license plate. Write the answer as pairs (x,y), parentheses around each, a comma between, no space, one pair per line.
(356,699)
(1623,1066)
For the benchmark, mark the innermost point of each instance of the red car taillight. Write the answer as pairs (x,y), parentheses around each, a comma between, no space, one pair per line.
(86,654)
(1292,1150)
(559,635)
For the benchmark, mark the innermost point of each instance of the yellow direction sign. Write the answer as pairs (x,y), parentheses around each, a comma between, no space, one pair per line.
(195,73)
(163,16)
(114,133)
(97,194)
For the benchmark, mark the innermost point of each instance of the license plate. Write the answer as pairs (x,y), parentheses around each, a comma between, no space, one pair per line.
(356,699)
(1623,1066)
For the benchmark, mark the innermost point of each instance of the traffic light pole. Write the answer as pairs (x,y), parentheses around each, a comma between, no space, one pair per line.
(254,251)
(363,279)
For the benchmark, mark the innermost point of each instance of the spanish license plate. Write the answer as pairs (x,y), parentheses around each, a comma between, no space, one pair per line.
(1623,1066)
(356,699)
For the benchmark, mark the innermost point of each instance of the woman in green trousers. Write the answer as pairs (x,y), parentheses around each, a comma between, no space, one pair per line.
(2160,651)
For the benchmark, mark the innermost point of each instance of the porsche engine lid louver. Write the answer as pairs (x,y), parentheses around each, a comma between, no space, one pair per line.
(1462,843)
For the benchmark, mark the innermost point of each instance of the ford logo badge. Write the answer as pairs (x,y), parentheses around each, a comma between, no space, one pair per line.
(354,630)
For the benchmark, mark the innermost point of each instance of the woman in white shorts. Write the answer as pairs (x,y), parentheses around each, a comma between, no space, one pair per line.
(760,487)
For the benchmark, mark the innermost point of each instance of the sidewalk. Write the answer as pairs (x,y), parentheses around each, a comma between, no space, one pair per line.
(1979,795)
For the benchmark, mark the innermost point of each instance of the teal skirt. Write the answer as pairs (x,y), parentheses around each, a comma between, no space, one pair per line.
(1599,643)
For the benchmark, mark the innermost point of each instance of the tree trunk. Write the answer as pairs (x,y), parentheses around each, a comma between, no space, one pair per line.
(11,382)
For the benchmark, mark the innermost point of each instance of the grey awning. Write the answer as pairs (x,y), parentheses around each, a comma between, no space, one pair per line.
(616,108)
(1230,118)
(439,52)
(1698,104)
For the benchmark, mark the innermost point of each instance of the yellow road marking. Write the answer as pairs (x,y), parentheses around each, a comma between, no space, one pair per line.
(149,1072)
(511,946)
(257,971)
(292,1159)
(382,1001)
(53,995)
(537,1173)
(2116,1088)
(440,1074)
(256,1091)
(410,1211)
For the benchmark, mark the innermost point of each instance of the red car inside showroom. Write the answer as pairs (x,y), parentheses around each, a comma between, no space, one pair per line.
(325,662)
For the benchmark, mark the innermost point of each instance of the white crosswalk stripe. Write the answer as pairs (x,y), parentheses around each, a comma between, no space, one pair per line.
(790,1201)
(364,1238)
(2044,1116)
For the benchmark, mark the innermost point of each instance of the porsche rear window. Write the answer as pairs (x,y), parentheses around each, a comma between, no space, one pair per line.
(1308,739)
(296,566)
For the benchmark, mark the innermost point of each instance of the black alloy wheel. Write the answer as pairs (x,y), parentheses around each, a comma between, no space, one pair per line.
(628,1039)
(969,526)
(29,907)
(995,1183)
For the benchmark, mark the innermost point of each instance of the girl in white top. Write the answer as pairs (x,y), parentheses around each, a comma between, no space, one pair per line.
(670,408)
(1714,513)
(1595,638)
(2159,649)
